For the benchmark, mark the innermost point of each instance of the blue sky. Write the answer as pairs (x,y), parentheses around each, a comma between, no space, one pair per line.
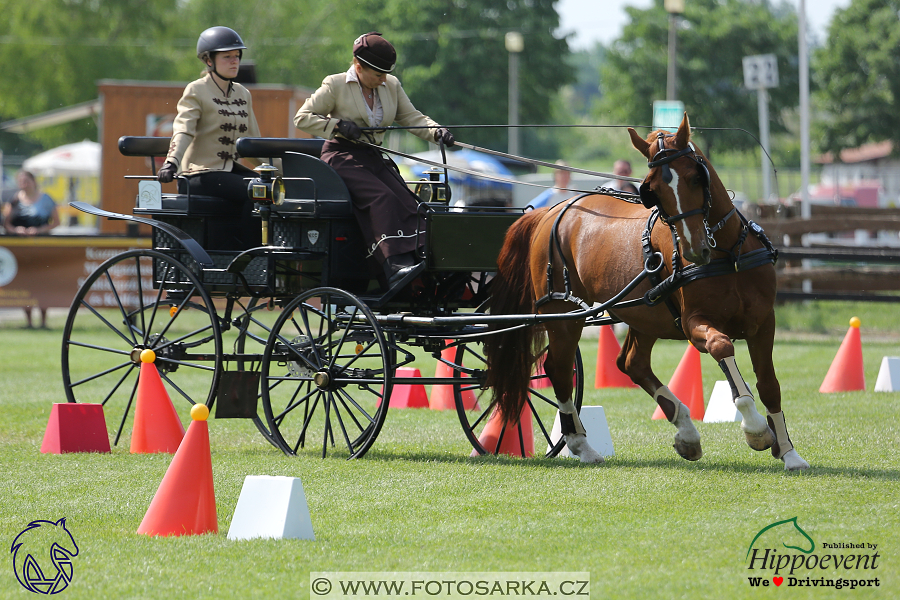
(602,20)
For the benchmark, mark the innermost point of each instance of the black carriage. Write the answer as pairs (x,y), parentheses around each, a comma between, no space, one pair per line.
(297,334)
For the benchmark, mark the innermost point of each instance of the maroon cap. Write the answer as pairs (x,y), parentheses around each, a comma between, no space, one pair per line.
(375,51)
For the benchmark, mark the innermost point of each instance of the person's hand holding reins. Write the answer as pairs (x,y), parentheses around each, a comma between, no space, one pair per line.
(167,173)
(349,129)
(443,134)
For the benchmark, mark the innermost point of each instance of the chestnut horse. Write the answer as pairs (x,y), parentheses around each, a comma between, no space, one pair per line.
(599,238)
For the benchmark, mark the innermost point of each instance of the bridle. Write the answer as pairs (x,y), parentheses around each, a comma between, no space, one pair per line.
(650,199)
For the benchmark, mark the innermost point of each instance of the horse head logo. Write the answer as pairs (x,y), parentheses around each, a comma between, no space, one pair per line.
(53,543)
(791,532)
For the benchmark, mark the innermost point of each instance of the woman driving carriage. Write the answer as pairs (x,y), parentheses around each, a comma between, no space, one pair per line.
(213,113)
(367,96)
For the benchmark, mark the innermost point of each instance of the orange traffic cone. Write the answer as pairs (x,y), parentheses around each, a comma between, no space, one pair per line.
(442,395)
(157,427)
(510,444)
(687,384)
(608,374)
(406,395)
(846,371)
(185,503)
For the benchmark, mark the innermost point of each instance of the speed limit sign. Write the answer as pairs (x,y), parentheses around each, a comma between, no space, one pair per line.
(760,71)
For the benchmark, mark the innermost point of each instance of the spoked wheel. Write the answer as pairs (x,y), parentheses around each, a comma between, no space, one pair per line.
(254,327)
(121,310)
(539,412)
(325,371)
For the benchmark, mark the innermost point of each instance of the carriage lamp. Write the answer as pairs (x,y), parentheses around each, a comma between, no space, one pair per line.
(433,189)
(266,190)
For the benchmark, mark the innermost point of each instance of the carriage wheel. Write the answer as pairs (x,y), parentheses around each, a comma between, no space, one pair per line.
(254,327)
(325,371)
(541,404)
(120,311)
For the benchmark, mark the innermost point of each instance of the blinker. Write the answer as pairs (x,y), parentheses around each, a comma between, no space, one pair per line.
(666,173)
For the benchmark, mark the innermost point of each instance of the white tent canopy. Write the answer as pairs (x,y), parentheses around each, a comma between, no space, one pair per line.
(71,160)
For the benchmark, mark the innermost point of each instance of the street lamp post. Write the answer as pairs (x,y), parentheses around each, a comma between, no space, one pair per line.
(515,43)
(674,8)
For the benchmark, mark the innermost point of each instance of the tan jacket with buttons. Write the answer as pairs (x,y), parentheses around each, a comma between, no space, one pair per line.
(208,124)
(338,99)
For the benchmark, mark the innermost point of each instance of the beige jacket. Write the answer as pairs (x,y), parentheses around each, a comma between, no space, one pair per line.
(208,124)
(338,99)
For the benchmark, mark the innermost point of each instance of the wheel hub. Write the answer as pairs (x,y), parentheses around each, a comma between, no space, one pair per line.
(322,379)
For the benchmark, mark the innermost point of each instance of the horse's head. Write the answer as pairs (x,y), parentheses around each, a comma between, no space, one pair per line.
(678,185)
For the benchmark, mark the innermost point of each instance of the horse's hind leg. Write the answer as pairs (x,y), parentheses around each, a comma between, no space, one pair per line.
(770,394)
(563,342)
(634,360)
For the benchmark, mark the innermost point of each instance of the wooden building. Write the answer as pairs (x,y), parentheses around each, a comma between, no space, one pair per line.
(147,108)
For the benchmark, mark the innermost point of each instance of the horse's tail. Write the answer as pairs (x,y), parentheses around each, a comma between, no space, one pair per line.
(510,355)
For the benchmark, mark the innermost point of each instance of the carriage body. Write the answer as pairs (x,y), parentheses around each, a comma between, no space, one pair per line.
(310,319)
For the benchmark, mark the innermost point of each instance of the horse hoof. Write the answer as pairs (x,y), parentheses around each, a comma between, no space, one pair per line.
(579,446)
(592,457)
(793,462)
(760,441)
(688,451)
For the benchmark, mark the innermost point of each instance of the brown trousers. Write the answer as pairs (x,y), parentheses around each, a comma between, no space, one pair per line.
(385,208)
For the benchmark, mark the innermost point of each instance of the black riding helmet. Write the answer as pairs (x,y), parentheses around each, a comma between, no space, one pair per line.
(218,39)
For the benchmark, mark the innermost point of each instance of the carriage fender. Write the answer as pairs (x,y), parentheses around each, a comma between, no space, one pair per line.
(187,242)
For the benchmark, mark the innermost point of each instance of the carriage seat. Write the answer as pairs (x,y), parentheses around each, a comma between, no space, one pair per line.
(317,190)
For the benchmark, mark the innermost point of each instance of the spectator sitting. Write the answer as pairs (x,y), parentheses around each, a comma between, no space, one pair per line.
(558,193)
(29,213)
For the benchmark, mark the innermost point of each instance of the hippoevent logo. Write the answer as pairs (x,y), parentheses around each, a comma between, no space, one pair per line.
(42,556)
(784,554)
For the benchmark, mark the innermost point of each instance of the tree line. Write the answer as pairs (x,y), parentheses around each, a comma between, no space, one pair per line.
(454,65)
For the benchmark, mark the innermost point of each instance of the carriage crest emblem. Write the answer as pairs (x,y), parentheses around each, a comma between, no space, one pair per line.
(42,557)
(313,236)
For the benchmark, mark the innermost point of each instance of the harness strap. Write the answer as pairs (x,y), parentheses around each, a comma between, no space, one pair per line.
(554,242)
(655,279)
(735,263)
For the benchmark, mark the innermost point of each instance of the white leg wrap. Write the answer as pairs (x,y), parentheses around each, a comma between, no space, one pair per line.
(783,447)
(665,392)
(733,374)
(753,424)
(577,441)
(687,438)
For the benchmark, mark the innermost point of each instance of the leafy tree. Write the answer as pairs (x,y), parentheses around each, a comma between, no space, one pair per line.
(452,58)
(292,43)
(858,75)
(53,53)
(713,38)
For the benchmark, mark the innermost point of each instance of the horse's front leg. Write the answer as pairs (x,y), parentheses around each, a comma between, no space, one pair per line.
(769,389)
(563,342)
(720,347)
(634,361)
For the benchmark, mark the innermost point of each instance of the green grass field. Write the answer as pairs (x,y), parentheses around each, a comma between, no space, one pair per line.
(647,524)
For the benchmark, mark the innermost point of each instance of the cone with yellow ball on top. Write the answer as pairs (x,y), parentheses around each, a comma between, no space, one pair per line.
(157,427)
(846,371)
(185,503)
